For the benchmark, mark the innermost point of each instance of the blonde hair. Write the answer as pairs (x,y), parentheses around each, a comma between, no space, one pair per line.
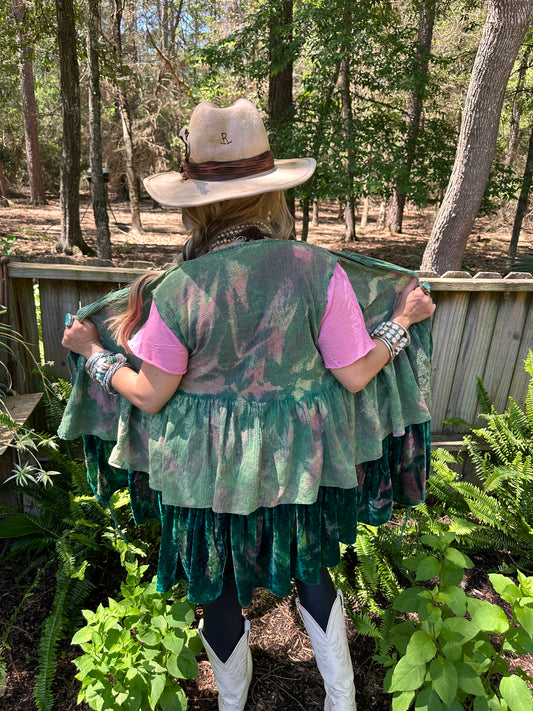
(204,223)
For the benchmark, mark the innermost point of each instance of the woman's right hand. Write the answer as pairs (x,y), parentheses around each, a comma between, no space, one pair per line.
(82,337)
(412,305)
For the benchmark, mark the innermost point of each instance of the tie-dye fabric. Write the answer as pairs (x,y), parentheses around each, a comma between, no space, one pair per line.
(260,437)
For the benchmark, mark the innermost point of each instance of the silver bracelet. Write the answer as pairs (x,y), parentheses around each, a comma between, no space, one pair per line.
(101,367)
(389,347)
(395,336)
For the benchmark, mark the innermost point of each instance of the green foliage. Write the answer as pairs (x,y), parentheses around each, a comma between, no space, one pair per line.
(7,243)
(61,527)
(136,648)
(497,512)
(450,652)
(369,576)
(502,186)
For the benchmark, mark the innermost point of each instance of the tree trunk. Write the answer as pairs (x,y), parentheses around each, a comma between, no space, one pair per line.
(364,216)
(347,119)
(316,215)
(382,215)
(3,189)
(98,186)
(514,132)
(69,198)
(280,108)
(29,109)
(426,24)
(126,122)
(305,220)
(505,26)
(521,207)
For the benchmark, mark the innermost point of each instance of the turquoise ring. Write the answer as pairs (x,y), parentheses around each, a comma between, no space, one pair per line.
(69,320)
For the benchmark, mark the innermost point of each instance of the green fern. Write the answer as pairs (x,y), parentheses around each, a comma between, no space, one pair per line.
(53,631)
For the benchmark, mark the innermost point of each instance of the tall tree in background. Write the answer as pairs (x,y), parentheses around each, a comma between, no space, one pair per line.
(523,201)
(426,23)
(505,26)
(29,105)
(514,132)
(98,186)
(3,189)
(280,106)
(124,109)
(347,117)
(69,198)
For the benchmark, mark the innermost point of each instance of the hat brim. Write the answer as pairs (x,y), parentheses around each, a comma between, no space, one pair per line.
(172,189)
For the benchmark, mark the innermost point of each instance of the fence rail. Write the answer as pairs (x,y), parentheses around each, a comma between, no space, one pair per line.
(483,327)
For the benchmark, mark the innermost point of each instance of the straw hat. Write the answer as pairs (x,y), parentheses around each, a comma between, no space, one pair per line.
(228,156)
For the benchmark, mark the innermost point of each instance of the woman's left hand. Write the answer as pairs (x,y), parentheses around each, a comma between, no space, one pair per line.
(82,337)
(412,305)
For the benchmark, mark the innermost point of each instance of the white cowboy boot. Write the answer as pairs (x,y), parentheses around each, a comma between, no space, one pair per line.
(234,675)
(332,656)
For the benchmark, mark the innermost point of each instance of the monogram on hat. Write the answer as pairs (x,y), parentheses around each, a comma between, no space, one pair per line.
(228,156)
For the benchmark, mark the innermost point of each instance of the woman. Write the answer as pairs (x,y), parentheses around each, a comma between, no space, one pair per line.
(242,411)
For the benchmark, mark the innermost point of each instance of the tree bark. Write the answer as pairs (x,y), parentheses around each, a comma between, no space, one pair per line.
(29,109)
(280,107)
(126,122)
(426,24)
(69,198)
(505,26)
(514,132)
(523,200)
(3,189)
(347,119)
(305,220)
(364,216)
(316,213)
(98,186)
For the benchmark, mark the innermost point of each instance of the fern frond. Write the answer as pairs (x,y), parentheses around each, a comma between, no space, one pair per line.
(389,618)
(483,397)
(53,631)
(365,625)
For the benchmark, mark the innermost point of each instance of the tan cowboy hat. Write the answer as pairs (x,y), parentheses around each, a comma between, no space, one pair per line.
(228,156)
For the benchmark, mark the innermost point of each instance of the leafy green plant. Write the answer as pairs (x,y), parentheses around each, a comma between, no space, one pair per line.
(7,243)
(496,512)
(136,648)
(446,657)
(58,523)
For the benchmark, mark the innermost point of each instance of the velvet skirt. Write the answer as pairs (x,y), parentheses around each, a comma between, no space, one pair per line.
(271,546)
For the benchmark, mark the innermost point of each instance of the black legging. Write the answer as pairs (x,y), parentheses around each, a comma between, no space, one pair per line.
(224,624)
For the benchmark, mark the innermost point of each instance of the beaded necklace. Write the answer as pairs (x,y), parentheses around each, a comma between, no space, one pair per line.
(237,234)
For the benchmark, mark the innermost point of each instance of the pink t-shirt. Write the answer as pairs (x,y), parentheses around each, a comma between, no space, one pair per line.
(342,338)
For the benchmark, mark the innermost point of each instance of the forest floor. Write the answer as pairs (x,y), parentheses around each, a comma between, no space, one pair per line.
(285,675)
(32,232)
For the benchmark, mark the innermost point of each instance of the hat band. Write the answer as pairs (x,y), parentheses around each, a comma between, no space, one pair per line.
(228,170)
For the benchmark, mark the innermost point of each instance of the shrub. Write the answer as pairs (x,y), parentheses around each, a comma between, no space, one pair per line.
(136,648)
(446,656)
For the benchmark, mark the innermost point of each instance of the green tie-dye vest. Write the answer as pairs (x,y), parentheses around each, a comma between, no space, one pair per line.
(257,420)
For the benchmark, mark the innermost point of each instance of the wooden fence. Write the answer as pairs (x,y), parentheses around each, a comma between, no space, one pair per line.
(483,327)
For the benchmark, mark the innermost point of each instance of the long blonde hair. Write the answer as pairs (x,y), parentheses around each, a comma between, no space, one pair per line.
(205,222)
